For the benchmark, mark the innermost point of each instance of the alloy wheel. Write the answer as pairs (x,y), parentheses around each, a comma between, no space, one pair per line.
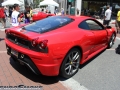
(71,63)
(112,41)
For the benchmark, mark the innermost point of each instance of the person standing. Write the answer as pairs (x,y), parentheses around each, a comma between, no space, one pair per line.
(78,11)
(6,13)
(15,17)
(62,12)
(2,16)
(118,21)
(107,16)
(31,14)
(27,14)
(102,14)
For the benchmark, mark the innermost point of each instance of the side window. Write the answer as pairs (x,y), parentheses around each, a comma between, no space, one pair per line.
(84,25)
(94,25)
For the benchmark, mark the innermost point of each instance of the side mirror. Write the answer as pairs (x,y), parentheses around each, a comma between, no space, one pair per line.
(108,27)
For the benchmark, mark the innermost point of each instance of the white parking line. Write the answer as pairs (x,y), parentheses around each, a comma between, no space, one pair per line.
(110,49)
(2,29)
(118,38)
(72,84)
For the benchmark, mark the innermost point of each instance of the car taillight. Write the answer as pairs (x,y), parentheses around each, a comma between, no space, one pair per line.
(43,44)
(34,42)
(7,31)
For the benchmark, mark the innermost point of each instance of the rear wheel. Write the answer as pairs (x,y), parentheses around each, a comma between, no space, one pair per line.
(111,42)
(71,63)
(13,58)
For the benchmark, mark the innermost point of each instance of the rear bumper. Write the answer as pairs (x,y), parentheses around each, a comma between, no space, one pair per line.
(43,63)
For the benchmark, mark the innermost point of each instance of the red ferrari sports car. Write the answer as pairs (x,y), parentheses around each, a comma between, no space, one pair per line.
(37,15)
(58,44)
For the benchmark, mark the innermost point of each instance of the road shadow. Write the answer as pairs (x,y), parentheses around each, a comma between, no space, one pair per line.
(90,60)
(30,75)
(40,78)
(1,39)
(82,65)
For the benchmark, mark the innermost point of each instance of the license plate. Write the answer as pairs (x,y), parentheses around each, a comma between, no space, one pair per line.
(14,52)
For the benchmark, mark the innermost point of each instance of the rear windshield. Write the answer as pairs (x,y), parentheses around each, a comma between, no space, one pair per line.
(48,24)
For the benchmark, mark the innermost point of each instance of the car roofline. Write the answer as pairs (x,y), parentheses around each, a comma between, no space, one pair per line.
(77,17)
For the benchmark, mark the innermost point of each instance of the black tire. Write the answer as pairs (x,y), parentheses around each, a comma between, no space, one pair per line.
(13,58)
(70,64)
(111,42)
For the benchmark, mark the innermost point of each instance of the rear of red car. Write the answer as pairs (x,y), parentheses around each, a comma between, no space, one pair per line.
(31,52)
(30,45)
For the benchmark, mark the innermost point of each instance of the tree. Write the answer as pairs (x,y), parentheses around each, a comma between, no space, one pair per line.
(36,2)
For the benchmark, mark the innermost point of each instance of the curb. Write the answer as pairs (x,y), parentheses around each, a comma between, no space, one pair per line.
(2,29)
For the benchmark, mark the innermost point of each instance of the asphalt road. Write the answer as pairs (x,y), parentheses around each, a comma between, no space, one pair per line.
(99,73)
(102,72)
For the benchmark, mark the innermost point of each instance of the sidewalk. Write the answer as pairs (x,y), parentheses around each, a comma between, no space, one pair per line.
(111,22)
(13,74)
(7,25)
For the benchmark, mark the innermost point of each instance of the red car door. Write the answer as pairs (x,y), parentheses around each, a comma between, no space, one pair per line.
(89,42)
(99,32)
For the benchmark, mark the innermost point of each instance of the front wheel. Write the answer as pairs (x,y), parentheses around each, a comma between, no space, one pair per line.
(111,42)
(71,63)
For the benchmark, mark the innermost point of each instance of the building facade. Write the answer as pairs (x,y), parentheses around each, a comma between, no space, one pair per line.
(1,1)
(73,6)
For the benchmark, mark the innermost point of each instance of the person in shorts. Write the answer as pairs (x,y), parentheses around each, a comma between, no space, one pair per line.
(2,16)
(107,17)
(27,14)
(118,21)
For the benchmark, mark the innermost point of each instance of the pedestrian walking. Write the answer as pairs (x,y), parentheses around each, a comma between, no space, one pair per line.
(2,16)
(6,13)
(15,17)
(62,11)
(107,16)
(56,11)
(11,9)
(118,21)
(102,14)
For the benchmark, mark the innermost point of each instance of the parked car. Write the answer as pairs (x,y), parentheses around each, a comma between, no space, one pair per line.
(38,15)
(59,44)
